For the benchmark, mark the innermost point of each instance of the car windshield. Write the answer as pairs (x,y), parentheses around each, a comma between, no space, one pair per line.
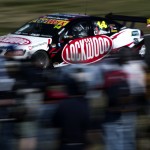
(37,29)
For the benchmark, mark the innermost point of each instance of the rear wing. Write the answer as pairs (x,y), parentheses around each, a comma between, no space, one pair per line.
(132,19)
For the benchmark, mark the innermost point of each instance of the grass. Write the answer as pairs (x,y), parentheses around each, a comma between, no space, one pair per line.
(14,13)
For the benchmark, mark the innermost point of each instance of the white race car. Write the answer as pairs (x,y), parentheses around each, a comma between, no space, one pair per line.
(60,39)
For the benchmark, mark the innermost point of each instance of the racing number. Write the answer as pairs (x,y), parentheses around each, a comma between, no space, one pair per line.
(148,21)
(102,24)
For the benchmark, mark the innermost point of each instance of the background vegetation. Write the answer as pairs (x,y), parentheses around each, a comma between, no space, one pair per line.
(14,13)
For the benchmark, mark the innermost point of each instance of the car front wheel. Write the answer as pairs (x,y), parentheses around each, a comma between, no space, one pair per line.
(42,59)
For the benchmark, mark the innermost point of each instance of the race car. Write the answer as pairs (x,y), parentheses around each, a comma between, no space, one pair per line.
(59,39)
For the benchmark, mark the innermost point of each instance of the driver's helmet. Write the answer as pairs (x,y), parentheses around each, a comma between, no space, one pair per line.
(79,31)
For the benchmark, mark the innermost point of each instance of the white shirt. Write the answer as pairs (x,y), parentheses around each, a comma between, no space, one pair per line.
(136,76)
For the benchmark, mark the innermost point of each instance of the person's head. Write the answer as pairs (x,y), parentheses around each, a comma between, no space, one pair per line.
(75,87)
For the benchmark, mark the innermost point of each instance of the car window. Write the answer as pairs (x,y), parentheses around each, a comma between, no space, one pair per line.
(100,27)
(37,29)
(106,27)
(79,30)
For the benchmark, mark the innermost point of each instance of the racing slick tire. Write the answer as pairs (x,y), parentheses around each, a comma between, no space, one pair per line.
(42,59)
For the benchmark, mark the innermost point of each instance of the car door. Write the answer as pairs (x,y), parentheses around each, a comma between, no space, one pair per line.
(82,46)
(77,29)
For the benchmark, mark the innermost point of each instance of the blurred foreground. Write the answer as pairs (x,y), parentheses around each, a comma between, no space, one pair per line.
(36,105)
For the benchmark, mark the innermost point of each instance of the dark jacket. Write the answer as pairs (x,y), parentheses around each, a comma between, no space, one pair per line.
(72,116)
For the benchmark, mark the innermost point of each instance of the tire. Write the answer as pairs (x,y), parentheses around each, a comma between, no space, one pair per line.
(142,51)
(42,59)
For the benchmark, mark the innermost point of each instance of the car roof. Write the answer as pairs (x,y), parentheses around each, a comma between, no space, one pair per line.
(75,16)
(66,16)
(72,16)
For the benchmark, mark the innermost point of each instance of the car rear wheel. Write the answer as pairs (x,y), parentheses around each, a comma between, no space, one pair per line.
(42,59)
(142,51)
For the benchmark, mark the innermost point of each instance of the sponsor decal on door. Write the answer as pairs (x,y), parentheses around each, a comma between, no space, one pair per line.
(87,50)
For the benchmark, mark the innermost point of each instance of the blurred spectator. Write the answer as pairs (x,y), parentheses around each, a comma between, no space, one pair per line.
(135,68)
(54,92)
(72,115)
(7,101)
(29,93)
(92,76)
(120,118)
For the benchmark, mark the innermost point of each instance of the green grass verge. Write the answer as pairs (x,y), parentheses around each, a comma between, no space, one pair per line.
(14,13)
